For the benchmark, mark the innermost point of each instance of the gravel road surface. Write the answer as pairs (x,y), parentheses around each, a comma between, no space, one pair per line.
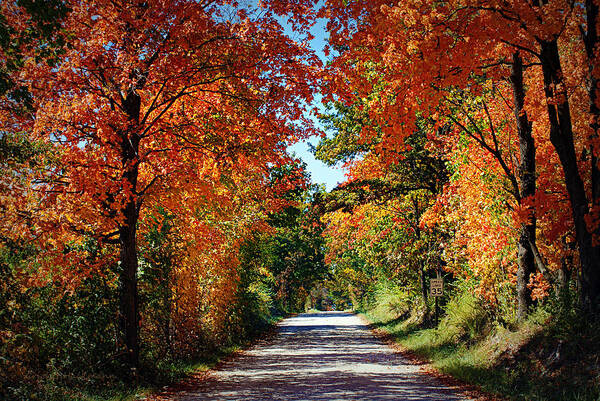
(321,356)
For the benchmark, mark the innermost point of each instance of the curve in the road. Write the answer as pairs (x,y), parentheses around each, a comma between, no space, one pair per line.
(321,356)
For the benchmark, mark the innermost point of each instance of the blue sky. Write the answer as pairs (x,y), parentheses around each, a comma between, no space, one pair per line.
(319,171)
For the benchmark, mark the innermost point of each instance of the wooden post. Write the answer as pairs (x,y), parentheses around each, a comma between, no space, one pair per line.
(437,307)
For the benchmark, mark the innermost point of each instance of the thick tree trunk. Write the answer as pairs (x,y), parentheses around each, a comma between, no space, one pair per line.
(562,286)
(561,136)
(127,233)
(526,260)
(590,39)
(129,295)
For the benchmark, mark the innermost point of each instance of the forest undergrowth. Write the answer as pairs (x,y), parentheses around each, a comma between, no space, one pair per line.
(68,355)
(552,355)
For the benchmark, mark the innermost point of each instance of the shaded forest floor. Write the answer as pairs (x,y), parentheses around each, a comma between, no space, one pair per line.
(547,357)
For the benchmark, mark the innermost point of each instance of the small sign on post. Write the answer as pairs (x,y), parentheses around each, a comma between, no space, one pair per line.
(436,287)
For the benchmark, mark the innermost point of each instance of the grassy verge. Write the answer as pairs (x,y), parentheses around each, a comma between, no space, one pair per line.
(547,357)
(166,373)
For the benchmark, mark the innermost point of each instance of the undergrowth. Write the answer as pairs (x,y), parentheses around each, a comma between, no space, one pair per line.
(552,355)
(154,376)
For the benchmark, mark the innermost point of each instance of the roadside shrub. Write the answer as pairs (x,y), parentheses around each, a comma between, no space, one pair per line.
(389,300)
(466,319)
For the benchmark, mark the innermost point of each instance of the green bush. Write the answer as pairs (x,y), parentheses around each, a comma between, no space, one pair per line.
(466,318)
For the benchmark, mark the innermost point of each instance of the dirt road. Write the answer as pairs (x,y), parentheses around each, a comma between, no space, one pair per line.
(321,356)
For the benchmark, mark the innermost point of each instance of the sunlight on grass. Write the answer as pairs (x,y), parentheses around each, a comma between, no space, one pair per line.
(471,346)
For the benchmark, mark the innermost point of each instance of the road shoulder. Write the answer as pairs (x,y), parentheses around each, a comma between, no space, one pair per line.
(464,389)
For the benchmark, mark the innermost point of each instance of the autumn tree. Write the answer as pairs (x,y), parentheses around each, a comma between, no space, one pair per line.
(403,189)
(39,35)
(151,98)
(426,49)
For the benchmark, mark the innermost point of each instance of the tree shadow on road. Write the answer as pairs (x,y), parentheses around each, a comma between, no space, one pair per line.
(321,356)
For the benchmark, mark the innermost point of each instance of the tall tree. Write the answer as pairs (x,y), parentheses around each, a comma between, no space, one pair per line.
(151,98)
(406,186)
(425,49)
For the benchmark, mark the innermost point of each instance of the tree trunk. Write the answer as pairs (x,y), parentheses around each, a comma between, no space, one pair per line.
(168,312)
(129,295)
(563,275)
(562,287)
(561,136)
(590,40)
(424,288)
(527,179)
(127,232)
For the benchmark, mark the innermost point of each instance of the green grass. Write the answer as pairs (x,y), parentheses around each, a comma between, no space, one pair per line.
(513,363)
